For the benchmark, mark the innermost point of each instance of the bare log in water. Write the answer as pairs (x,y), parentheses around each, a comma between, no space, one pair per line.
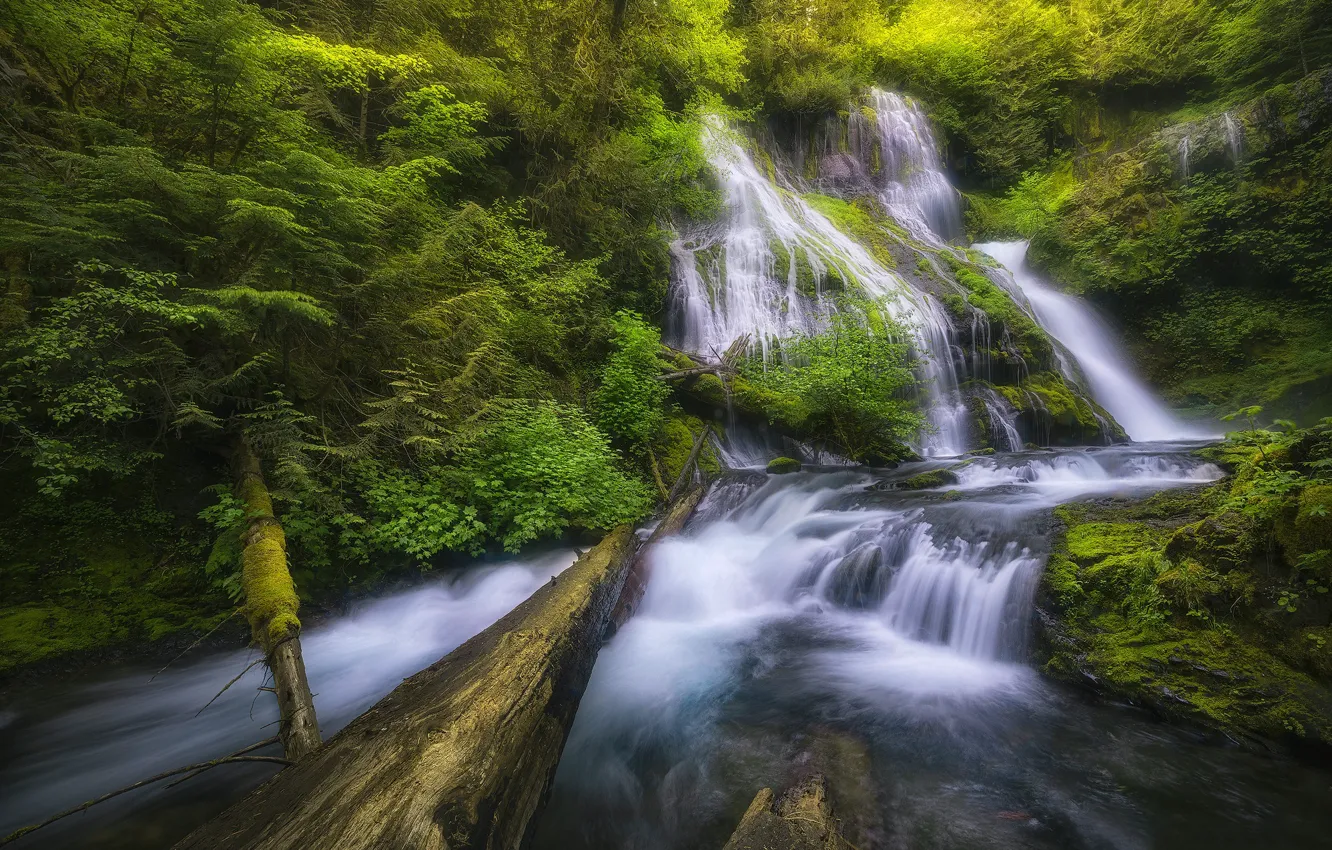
(462,753)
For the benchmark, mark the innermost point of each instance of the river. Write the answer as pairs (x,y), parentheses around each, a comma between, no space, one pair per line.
(826,619)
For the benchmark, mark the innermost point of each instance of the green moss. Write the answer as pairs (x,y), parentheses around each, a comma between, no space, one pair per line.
(1032,343)
(861,221)
(1068,415)
(95,592)
(1165,629)
(676,443)
(783,465)
(929,480)
(1305,527)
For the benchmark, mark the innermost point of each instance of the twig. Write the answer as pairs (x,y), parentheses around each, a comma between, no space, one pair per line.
(265,743)
(193,768)
(239,675)
(223,622)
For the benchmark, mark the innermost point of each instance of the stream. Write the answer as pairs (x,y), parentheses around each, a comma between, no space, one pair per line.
(828,619)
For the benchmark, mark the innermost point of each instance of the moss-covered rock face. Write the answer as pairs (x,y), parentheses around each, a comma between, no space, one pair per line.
(1202,605)
(783,465)
(98,575)
(1051,412)
(1206,240)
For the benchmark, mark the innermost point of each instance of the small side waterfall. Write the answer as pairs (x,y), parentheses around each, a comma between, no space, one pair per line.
(1234,138)
(912,184)
(1099,357)
(1184,158)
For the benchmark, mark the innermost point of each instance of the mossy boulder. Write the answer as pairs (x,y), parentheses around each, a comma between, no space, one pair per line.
(929,480)
(672,449)
(783,465)
(1304,527)
(1057,414)
(1148,601)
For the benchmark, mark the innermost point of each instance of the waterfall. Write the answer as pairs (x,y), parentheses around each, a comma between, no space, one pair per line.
(1234,137)
(1184,158)
(912,183)
(800,602)
(743,276)
(1110,377)
(1002,417)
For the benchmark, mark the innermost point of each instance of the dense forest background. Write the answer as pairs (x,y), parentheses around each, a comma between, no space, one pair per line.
(417,252)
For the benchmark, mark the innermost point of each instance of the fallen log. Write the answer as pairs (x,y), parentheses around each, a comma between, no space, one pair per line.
(461,754)
(636,582)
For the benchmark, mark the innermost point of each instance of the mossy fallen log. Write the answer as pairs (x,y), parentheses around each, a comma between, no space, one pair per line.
(461,754)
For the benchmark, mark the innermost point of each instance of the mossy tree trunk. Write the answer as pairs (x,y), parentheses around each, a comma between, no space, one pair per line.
(463,753)
(271,605)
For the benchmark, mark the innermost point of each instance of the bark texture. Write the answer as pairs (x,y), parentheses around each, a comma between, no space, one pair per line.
(801,820)
(460,755)
(271,606)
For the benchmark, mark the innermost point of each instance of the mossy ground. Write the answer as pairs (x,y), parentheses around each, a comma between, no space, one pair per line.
(97,574)
(1191,603)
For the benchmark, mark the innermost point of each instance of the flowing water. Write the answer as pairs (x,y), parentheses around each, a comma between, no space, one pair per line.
(741,276)
(828,621)
(69,742)
(1099,357)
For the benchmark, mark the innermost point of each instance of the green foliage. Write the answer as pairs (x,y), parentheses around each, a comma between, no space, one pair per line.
(849,386)
(630,403)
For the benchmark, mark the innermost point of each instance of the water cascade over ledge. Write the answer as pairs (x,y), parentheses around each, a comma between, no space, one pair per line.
(1098,354)
(798,202)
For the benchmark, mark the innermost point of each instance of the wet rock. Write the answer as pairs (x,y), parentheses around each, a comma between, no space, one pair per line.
(929,480)
(801,819)
(783,465)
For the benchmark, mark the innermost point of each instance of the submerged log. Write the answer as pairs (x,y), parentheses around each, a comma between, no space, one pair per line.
(460,755)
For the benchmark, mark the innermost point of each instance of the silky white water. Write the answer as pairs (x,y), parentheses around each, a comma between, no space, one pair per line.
(726,281)
(798,614)
(1099,356)
(73,743)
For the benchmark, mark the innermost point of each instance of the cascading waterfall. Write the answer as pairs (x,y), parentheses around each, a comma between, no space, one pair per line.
(796,603)
(1004,434)
(727,281)
(1184,158)
(1099,358)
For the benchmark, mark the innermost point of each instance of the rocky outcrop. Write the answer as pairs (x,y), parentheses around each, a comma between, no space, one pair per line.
(801,819)
(1180,603)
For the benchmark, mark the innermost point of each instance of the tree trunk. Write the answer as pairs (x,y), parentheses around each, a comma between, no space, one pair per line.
(271,605)
(463,753)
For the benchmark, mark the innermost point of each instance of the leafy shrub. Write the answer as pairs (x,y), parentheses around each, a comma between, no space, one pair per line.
(850,385)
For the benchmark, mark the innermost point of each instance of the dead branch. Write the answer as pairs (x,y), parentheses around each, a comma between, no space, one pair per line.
(224,621)
(194,769)
(250,667)
(689,464)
